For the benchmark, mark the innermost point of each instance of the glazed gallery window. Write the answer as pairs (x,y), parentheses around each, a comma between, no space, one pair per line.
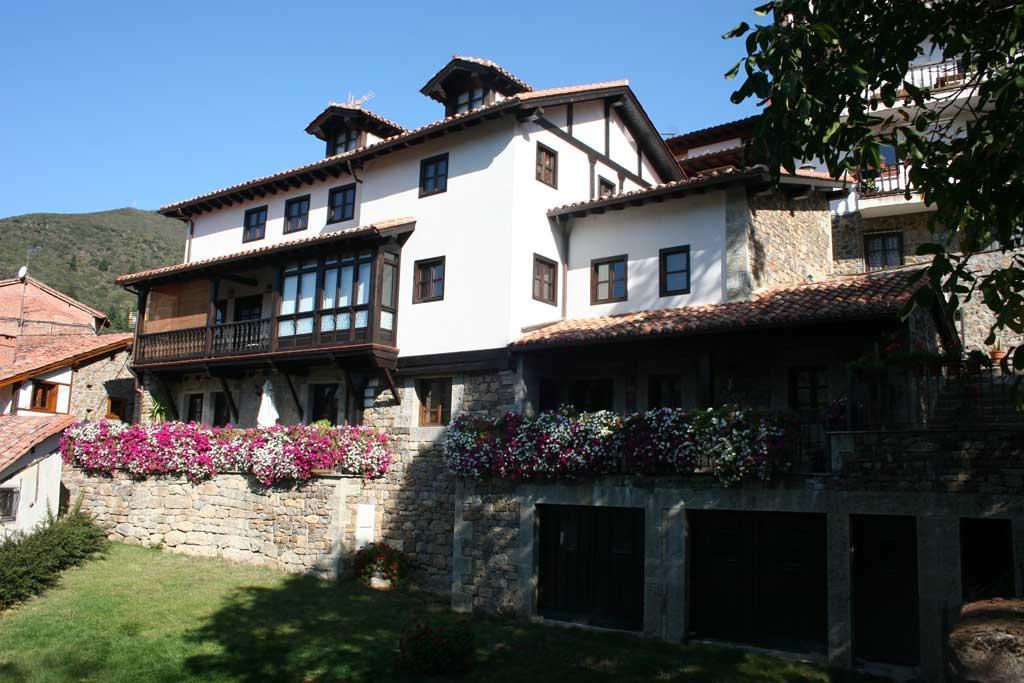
(345,140)
(346,299)
(296,214)
(883,250)
(389,291)
(255,225)
(429,280)
(545,279)
(469,100)
(435,397)
(298,299)
(608,280)
(8,504)
(434,175)
(341,203)
(674,271)
(547,165)
(44,397)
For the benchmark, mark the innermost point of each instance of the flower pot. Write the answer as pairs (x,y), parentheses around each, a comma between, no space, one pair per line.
(997,355)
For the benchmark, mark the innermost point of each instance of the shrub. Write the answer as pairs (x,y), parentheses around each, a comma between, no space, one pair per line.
(433,646)
(273,454)
(32,562)
(730,442)
(382,561)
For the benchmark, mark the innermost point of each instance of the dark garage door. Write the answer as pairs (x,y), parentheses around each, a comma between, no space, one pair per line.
(885,626)
(759,578)
(592,565)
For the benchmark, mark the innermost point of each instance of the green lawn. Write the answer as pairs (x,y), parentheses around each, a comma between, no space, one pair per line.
(148,615)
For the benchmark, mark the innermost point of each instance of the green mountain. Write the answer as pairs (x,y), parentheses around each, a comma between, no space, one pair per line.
(82,253)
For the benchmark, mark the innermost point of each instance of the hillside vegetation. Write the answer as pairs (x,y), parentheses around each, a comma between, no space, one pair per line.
(83,253)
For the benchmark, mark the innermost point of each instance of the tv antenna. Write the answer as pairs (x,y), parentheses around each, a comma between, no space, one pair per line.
(23,276)
(360,101)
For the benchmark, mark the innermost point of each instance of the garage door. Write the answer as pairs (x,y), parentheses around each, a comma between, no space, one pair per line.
(592,565)
(759,578)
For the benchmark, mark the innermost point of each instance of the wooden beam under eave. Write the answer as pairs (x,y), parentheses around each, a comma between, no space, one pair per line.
(334,170)
(248,194)
(295,396)
(238,197)
(294,182)
(320,175)
(260,191)
(227,394)
(389,378)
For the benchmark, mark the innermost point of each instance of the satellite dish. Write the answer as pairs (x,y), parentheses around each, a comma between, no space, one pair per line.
(22,272)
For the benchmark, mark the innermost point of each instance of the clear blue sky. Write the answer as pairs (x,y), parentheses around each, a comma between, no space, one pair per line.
(111,104)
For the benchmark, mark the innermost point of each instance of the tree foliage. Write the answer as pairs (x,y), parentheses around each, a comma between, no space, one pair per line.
(831,78)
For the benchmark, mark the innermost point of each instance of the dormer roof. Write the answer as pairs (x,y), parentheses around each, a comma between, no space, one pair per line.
(354,116)
(481,72)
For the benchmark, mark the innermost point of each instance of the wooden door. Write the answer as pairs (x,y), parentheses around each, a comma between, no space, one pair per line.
(885,616)
(591,565)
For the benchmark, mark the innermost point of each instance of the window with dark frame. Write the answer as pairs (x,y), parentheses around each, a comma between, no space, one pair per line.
(435,396)
(389,291)
(665,391)
(429,285)
(296,214)
(434,175)
(591,395)
(345,140)
(117,409)
(470,100)
(547,165)
(44,397)
(605,187)
(883,250)
(341,203)
(608,280)
(8,504)
(195,408)
(221,411)
(248,308)
(325,403)
(545,280)
(674,271)
(255,227)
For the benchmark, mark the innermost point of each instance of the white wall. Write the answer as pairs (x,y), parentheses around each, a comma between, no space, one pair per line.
(488,224)
(640,232)
(39,486)
(61,377)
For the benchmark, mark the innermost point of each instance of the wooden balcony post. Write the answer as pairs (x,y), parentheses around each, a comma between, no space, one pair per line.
(211,315)
(275,307)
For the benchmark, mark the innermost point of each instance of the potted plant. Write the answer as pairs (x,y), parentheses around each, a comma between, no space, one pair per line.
(997,353)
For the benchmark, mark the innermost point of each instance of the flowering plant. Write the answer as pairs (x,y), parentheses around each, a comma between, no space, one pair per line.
(730,442)
(380,560)
(273,454)
(436,645)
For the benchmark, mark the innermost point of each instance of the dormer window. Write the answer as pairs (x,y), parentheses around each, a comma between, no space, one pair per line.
(346,140)
(468,101)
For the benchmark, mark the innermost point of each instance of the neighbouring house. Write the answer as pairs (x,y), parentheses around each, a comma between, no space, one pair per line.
(54,369)
(536,248)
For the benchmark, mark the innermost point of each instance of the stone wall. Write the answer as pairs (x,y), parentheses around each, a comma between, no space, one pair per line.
(977,317)
(790,240)
(92,384)
(301,529)
(414,502)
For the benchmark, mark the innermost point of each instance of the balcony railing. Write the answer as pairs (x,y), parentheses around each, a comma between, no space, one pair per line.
(889,179)
(179,344)
(250,336)
(936,75)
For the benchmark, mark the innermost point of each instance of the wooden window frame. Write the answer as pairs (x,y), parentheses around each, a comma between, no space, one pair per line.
(546,262)
(52,396)
(246,237)
(663,272)
(604,182)
(443,410)
(303,217)
(542,151)
(15,497)
(121,414)
(594,301)
(424,164)
(428,263)
(350,135)
(654,380)
(188,405)
(882,235)
(335,191)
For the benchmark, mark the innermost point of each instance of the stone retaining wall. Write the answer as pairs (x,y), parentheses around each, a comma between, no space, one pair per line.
(302,529)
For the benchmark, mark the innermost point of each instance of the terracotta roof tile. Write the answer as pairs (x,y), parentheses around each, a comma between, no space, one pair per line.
(19,433)
(853,298)
(34,355)
(359,109)
(379,226)
(507,103)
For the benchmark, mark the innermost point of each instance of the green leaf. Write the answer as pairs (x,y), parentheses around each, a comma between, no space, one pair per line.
(731,73)
(765,9)
(740,29)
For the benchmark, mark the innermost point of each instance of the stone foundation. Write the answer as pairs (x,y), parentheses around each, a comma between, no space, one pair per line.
(302,529)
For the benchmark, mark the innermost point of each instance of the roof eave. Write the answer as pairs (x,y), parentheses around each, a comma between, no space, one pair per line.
(114,347)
